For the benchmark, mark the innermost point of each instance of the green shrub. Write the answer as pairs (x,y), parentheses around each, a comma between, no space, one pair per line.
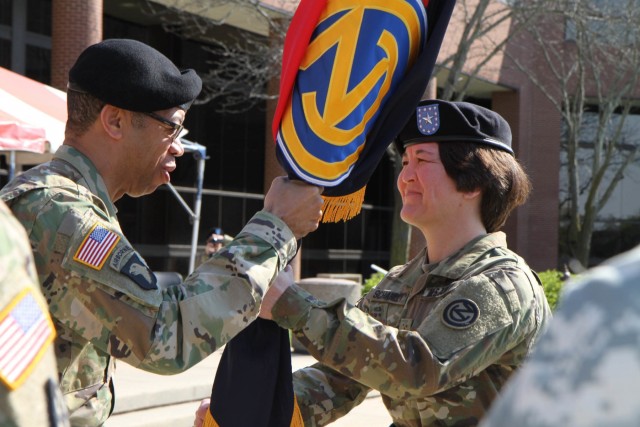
(551,281)
(371,282)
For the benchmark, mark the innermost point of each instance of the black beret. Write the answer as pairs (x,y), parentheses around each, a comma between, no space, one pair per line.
(131,75)
(435,120)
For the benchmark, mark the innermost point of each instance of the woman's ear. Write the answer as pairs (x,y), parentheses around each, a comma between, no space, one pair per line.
(472,194)
(112,120)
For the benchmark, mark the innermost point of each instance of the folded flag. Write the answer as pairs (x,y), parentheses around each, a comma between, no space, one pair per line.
(353,72)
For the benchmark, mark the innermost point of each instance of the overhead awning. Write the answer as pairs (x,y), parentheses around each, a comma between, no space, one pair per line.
(32,114)
(16,136)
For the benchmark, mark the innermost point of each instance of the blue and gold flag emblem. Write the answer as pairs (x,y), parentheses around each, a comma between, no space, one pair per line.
(356,61)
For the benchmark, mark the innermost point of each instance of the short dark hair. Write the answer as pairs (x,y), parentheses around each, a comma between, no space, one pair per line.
(82,110)
(496,173)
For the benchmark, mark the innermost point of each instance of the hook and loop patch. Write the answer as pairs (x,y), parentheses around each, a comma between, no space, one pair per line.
(461,313)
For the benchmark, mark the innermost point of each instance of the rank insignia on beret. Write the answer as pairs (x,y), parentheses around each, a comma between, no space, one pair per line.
(428,117)
(138,271)
(460,314)
(25,332)
(96,247)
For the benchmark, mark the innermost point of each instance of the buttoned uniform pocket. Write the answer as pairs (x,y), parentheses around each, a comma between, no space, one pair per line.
(385,305)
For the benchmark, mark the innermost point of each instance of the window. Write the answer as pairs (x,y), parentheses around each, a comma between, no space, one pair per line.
(38,64)
(39,17)
(610,22)
(5,12)
(25,37)
(5,53)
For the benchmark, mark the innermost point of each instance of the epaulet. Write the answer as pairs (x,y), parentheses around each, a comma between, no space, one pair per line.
(489,263)
(52,182)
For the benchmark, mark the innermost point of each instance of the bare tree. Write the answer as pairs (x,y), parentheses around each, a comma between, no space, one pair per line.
(242,61)
(587,62)
(475,47)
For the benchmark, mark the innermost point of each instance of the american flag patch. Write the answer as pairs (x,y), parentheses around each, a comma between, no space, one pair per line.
(25,332)
(96,247)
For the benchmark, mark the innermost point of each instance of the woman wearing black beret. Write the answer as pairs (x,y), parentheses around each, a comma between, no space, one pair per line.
(439,336)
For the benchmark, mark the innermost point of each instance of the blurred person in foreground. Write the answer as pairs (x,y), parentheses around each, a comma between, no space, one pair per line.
(585,370)
(126,105)
(440,335)
(29,392)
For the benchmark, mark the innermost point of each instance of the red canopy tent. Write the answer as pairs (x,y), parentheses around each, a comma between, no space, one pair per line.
(32,119)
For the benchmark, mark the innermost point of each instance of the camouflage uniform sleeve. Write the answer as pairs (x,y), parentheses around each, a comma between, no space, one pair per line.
(426,360)
(113,301)
(222,296)
(29,389)
(325,395)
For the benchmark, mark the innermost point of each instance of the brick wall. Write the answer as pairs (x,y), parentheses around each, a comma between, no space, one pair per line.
(76,24)
(532,229)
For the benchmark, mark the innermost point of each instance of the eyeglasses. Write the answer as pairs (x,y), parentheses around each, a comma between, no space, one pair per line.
(215,240)
(177,128)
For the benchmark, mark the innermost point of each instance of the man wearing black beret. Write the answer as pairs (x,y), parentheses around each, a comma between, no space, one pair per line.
(440,335)
(126,104)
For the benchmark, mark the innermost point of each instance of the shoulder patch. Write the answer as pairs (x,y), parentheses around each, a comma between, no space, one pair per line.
(460,313)
(96,247)
(25,333)
(137,270)
(120,257)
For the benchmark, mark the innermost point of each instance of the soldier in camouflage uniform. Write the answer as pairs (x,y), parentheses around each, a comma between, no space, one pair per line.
(29,392)
(439,336)
(126,103)
(585,369)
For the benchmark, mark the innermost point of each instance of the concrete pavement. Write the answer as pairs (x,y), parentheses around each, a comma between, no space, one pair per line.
(149,400)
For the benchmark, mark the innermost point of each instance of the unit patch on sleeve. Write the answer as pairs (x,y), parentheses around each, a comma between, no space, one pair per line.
(25,333)
(137,270)
(461,313)
(96,247)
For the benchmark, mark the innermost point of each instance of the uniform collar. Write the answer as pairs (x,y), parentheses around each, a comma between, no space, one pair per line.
(92,178)
(457,264)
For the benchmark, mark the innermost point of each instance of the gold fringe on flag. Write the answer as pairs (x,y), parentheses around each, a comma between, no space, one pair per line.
(209,421)
(296,417)
(342,208)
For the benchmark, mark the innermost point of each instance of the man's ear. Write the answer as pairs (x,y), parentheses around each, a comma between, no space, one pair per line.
(112,120)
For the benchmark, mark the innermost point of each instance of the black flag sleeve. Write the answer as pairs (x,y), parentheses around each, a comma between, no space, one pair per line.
(253,385)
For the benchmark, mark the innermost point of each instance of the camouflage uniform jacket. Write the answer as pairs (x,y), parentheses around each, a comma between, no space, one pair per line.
(29,392)
(438,341)
(585,369)
(104,299)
